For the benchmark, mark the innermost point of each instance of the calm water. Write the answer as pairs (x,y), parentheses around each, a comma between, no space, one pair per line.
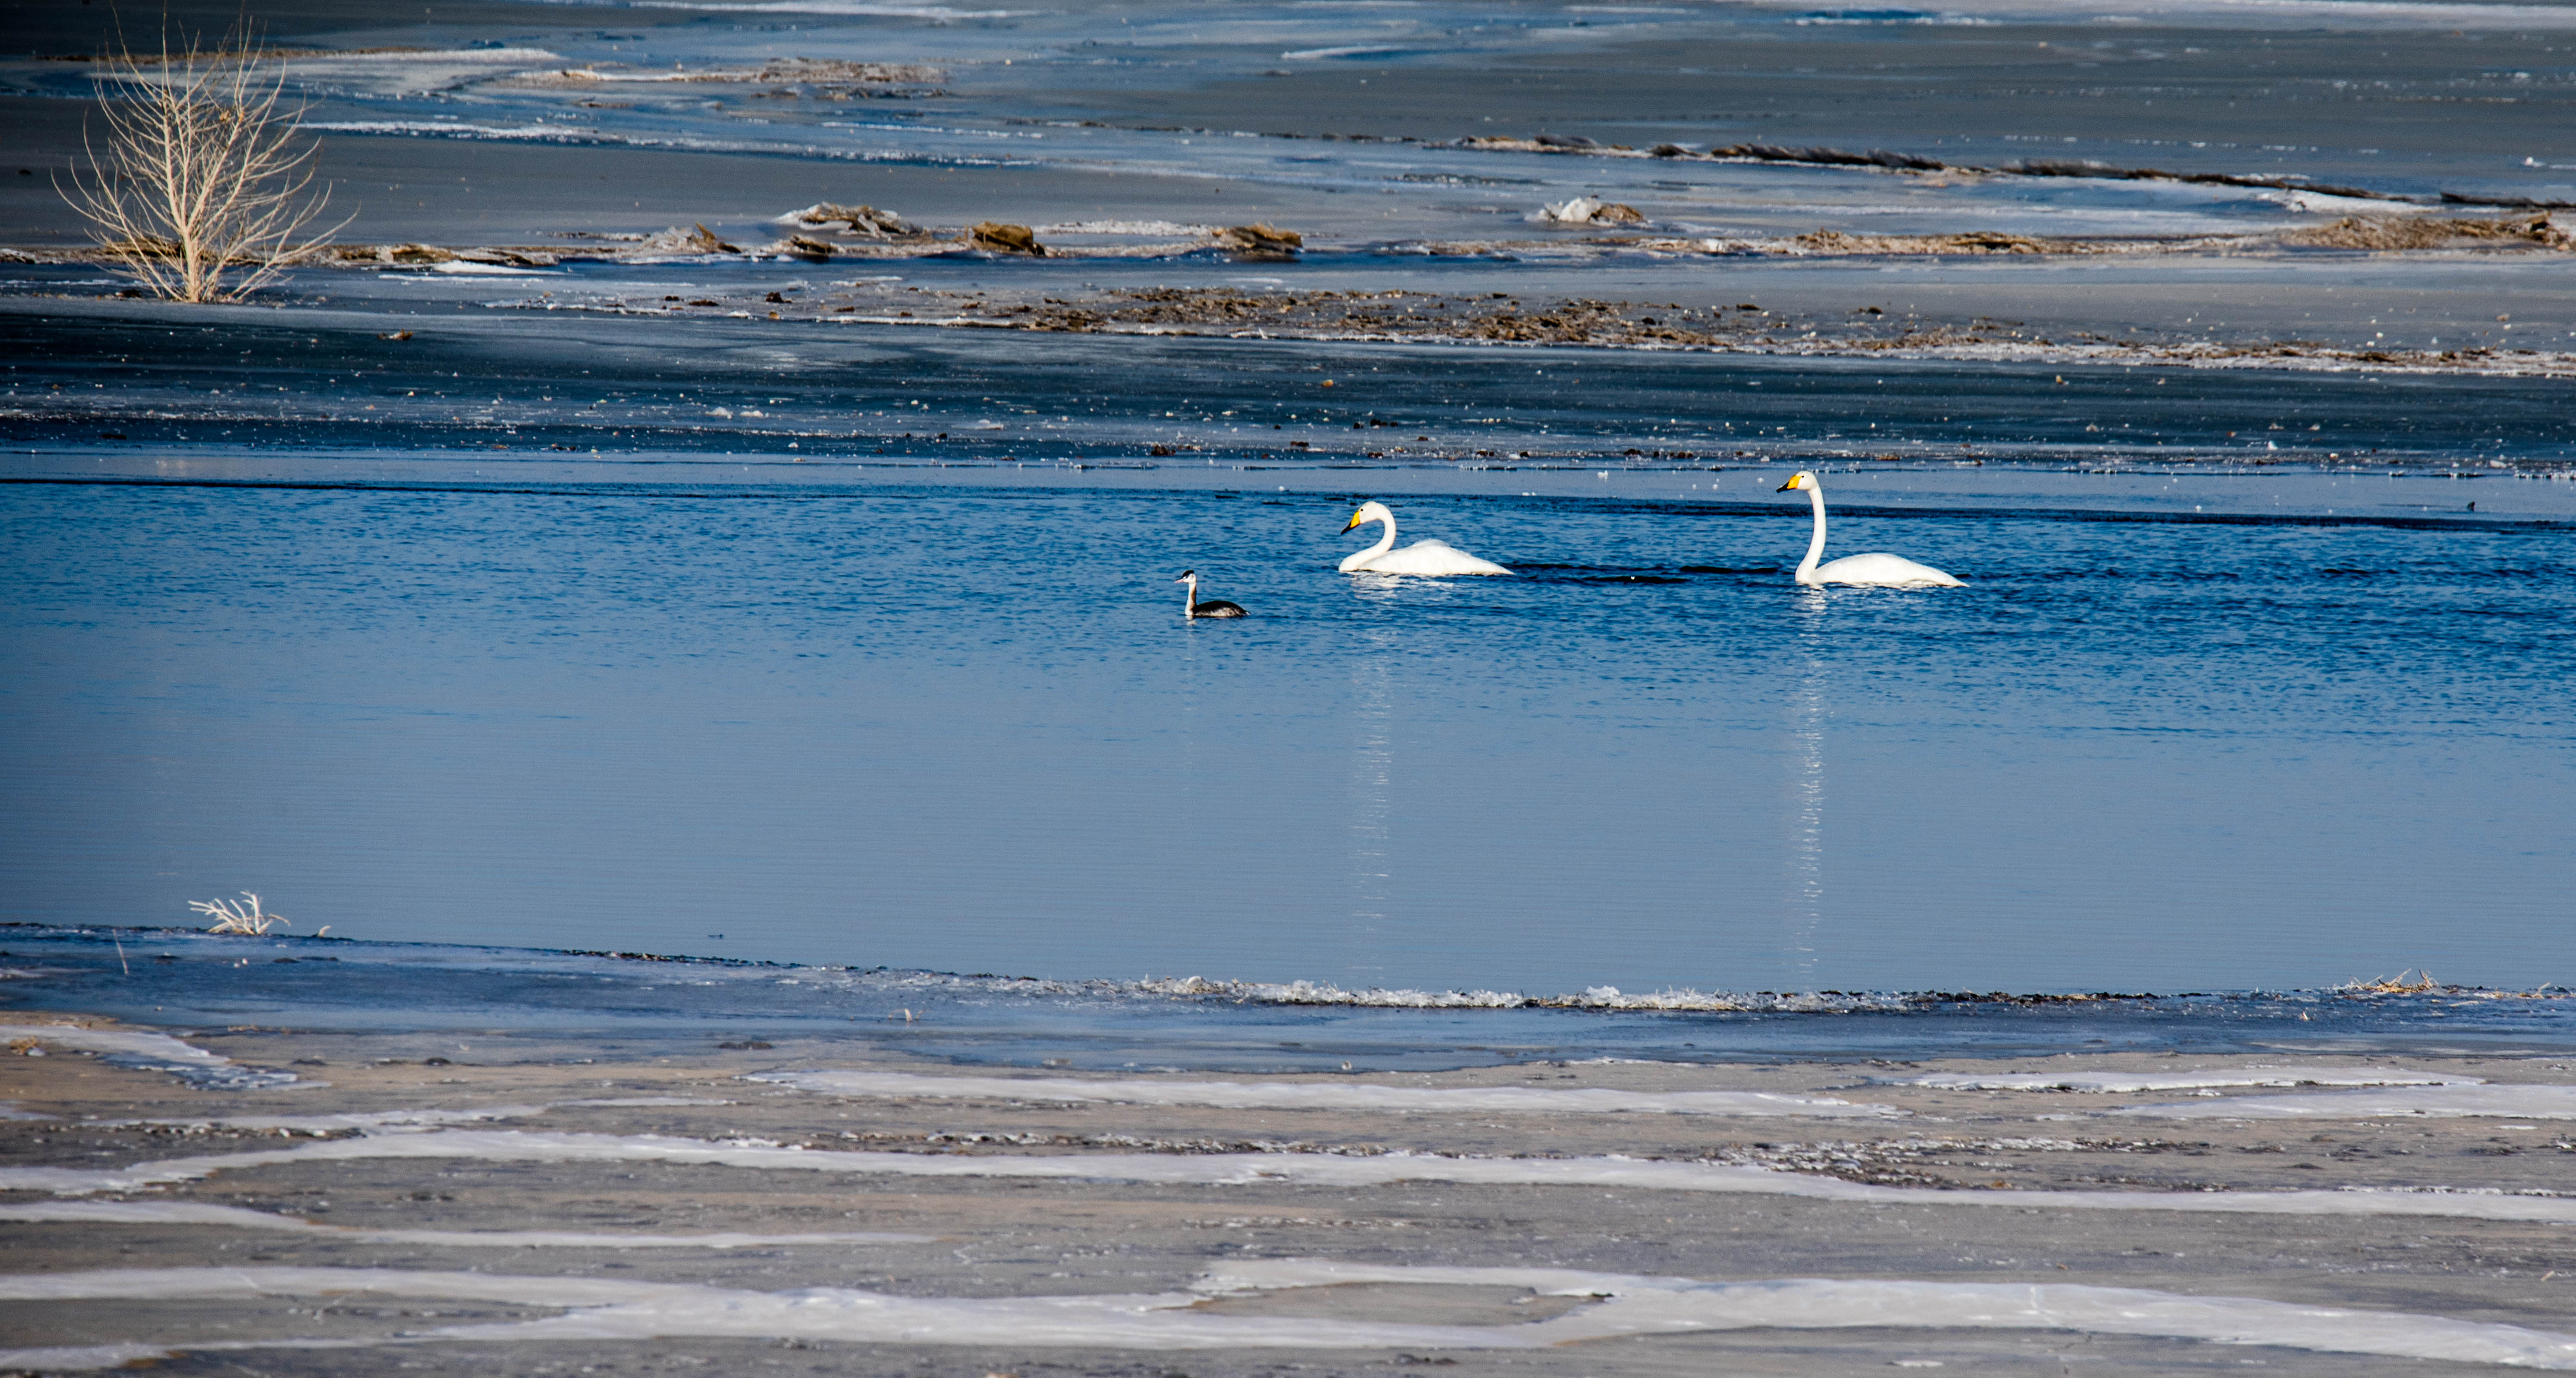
(522,1003)
(962,727)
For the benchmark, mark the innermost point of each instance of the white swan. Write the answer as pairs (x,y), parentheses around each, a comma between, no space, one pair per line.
(1875,570)
(1421,557)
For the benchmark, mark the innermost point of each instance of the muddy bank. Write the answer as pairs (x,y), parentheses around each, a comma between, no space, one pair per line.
(1398,316)
(667,1206)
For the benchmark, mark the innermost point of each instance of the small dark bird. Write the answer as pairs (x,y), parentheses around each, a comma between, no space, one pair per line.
(1214,607)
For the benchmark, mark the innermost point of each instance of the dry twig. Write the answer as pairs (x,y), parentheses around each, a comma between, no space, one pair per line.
(2398,984)
(234,916)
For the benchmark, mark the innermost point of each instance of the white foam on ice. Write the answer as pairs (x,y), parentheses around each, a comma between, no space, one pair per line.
(149,1051)
(1618,1306)
(390,71)
(491,270)
(615,1309)
(203,1213)
(2439,1102)
(1158,228)
(395,57)
(347,1120)
(1347,50)
(159,1047)
(2110,1082)
(364,1120)
(872,8)
(1248,1169)
(2371,14)
(1663,1305)
(1322,1095)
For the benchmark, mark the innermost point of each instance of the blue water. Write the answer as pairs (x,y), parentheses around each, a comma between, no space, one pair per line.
(523,1003)
(961,727)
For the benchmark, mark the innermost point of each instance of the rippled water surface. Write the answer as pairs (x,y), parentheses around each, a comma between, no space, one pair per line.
(964,728)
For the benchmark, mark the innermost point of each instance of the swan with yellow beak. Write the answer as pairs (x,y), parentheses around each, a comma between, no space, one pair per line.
(1430,558)
(1876,570)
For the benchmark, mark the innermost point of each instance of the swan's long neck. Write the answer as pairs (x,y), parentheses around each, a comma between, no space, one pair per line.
(1815,543)
(1385,543)
(1190,597)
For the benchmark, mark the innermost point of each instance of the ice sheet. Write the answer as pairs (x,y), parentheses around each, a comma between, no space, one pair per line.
(1650,1305)
(2516,1102)
(1628,1306)
(150,1051)
(201,1213)
(1244,1169)
(1232,1095)
(2105,1082)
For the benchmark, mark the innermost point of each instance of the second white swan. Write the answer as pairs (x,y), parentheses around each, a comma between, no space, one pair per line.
(1421,557)
(1876,570)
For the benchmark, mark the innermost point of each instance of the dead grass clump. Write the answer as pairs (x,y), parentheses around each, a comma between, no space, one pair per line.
(858,220)
(831,71)
(2399,984)
(2385,232)
(202,190)
(238,916)
(999,238)
(1589,210)
(1261,243)
(1982,242)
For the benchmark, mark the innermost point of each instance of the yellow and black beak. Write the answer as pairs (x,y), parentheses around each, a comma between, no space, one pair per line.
(1783,488)
(1354,521)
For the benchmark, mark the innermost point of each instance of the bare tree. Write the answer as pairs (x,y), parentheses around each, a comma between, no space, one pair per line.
(202,192)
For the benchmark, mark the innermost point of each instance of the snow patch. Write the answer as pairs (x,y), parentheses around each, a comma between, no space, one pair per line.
(1249,1169)
(2441,1102)
(1618,1306)
(2107,1082)
(200,1213)
(1272,1095)
(151,1052)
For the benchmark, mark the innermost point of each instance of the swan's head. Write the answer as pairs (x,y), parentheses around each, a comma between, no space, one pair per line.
(1369,512)
(1188,576)
(1801,481)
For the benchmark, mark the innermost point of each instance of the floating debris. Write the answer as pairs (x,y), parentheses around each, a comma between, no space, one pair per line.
(1588,210)
(697,239)
(865,221)
(1005,239)
(238,916)
(1261,243)
(2427,232)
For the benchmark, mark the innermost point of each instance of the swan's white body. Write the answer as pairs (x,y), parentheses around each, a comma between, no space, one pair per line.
(1421,557)
(1876,570)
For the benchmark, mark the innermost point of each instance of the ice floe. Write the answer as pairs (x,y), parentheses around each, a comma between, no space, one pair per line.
(202,1213)
(151,1052)
(1250,1169)
(2446,1101)
(1662,1305)
(363,1120)
(495,270)
(2112,1082)
(1615,1306)
(1273,1095)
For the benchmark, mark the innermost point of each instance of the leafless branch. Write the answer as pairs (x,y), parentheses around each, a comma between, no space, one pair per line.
(203,191)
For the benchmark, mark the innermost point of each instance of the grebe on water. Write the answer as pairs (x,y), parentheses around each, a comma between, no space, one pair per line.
(1214,607)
